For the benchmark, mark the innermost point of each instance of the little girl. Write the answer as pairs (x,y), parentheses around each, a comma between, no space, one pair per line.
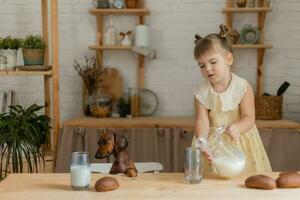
(225,99)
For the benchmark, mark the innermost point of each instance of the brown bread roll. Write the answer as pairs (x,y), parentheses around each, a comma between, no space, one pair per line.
(288,180)
(106,184)
(260,182)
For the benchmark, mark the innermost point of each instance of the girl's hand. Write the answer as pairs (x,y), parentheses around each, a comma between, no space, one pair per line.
(207,155)
(233,131)
(202,145)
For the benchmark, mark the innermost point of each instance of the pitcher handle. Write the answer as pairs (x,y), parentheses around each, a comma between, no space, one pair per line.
(221,129)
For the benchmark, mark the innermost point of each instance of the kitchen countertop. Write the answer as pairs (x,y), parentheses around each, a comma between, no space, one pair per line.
(161,122)
(145,186)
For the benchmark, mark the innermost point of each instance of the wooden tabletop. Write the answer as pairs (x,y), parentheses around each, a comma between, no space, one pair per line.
(161,122)
(145,186)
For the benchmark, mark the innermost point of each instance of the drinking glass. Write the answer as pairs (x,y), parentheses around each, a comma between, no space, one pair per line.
(80,171)
(192,165)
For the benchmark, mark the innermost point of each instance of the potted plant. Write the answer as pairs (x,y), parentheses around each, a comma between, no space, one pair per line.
(8,49)
(23,136)
(33,49)
(124,107)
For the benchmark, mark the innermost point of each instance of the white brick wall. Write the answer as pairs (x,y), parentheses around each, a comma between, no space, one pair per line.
(174,74)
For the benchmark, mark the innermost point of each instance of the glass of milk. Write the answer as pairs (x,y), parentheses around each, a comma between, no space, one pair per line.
(227,160)
(80,171)
(192,166)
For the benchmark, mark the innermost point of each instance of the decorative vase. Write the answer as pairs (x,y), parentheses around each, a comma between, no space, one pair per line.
(126,41)
(142,36)
(249,34)
(33,56)
(110,35)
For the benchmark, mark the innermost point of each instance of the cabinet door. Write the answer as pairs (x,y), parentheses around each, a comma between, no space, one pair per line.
(283,149)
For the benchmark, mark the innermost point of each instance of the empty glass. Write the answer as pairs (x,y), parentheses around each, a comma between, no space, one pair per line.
(80,171)
(192,166)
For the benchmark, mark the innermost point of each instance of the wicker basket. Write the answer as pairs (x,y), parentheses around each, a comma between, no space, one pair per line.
(132,3)
(268,107)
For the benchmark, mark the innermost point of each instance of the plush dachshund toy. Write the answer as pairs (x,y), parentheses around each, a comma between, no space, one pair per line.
(111,143)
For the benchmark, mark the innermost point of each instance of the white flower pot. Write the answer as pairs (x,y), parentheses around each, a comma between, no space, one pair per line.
(11,56)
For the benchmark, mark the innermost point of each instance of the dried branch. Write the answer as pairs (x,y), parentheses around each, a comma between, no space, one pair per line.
(90,74)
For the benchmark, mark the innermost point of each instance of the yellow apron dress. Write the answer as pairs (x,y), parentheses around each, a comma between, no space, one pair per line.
(224,109)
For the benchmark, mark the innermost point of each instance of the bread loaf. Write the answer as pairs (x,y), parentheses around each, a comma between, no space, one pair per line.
(260,182)
(106,184)
(288,180)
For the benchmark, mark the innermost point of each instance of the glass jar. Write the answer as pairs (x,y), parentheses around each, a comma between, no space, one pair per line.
(134,102)
(115,111)
(100,104)
(227,160)
(131,3)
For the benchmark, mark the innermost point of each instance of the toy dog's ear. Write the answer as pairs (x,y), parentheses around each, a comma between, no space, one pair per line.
(121,143)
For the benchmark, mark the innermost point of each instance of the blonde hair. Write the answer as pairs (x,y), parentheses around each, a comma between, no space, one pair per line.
(223,39)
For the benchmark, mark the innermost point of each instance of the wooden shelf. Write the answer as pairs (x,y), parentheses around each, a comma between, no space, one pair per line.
(249,10)
(252,46)
(98,47)
(137,11)
(161,122)
(26,73)
(100,14)
(261,12)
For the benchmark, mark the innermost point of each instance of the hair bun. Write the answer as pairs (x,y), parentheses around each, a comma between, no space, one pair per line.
(224,31)
(227,33)
(197,38)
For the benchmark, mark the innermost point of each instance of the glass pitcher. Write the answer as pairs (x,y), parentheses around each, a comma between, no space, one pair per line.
(110,34)
(227,160)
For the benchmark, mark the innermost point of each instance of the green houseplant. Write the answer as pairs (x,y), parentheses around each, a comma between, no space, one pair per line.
(33,49)
(9,48)
(124,107)
(23,134)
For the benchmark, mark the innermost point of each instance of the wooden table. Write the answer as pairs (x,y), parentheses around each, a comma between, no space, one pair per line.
(145,186)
